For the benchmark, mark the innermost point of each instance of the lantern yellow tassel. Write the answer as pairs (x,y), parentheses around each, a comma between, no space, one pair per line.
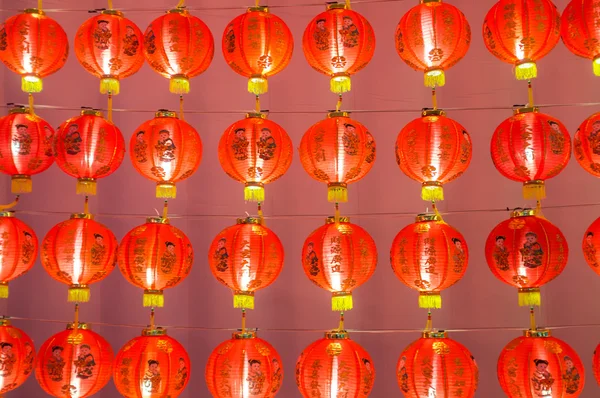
(342,302)
(79,294)
(337,193)
(258,85)
(597,66)
(430,300)
(530,297)
(340,83)
(526,71)
(109,85)
(4,290)
(86,186)
(21,184)
(179,84)
(534,190)
(434,78)
(254,192)
(166,190)
(31,84)
(154,298)
(432,191)
(243,300)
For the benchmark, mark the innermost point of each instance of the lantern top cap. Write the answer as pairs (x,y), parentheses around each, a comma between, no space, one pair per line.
(337,334)
(433,112)
(34,11)
(165,113)
(537,333)
(430,1)
(112,12)
(157,220)
(80,326)
(523,213)
(4,321)
(337,114)
(7,213)
(82,216)
(336,6)
(256,115)
(258,9)
(91,112)
(526,109)
(18,110)
(157,331)
(423,217)
(331,220)
(244,335)
(178,10)
(435,334)
(248,220)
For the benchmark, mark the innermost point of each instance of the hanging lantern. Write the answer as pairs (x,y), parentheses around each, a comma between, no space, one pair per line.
(18,249)
(596,364)
(586,145)
(152,365)
(179,46)
(526,251)
(26,147)
(429,256)
(245,365)
(339,257)
(579,31)
(255,151)
(335,367)
(539,365)
(75,363)
(338,43)
(155,256)
(166,150)
(432,37)
(257,45)
(34,46)
(246,257)
(338,151)
(433,150)
(436,364)
(531,147)
(590,243)
(109,46)
(79,252)
(89,147)
(17,356)
(521,33)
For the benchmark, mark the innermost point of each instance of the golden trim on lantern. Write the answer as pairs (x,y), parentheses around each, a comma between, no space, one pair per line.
(245,335)
(165,113)
(523,213)
(430,1)
(178,10)
(537,333)
(7,213)
(91,112)
(258,9)
(157,331)
(248,220)
(157,220)
(433,112)
(34,11)
(82,216)
(4,321)
(338,114)
(331,220)
(526,109)
(112,12)
(257,115)
(336,6)
(18,110)
(337,335)
(435,334)
(80,326)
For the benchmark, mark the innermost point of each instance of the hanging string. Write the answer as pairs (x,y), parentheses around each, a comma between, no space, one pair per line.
(40,5)
(243,320)
(532,319)
(530,93)
(337,213)
(434,98)
(165,210)
(181,108)
(257,104)
(341,327)
(86,205)
(110,106)
(152,318)
(429,324)
(181,4)
(348,6)
(338,106)
(110,4)
(261,217)
(436,211)
(75,321)
(10,205)
(30,97)
(538,209)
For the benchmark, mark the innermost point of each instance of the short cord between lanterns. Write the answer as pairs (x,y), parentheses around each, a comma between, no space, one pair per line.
(348,6)
(429,324)
(86,205)
(75,321)
(110,4)
(39,5)
(341,326)
(532,319)
(434,99)
(530,93)
(338,106)
(165,214)
(152,318)
(261,217)
(30,99)
(110,107)
(10,205)
(243,320)
(181,4)
(181,116)
(337,213)
(257,104)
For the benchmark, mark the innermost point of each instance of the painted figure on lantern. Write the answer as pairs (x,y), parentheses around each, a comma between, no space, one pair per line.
(459,255)
(7,359)
(403,375)
(542,379)
(221,255)
(28,247)
(131,42)
(168,259)
(370,145)
(29,358)
(98,249)
(277,376)
(312,260)
(56,364)
(368,377)
(230,39)
(22,140)
(3,40)
(152,377)
(240,145)
(49,149)
(84,364)
(589,250)
(349,32)
(465,148)
(532,252)
(141,148)
(102,35)
(594,138)
(150,42)
(255,378)
(501,254)
(321,36)
(73,140)
(266,145)
(165,147)
(350,139)
(571,376)
(557,139)
(182,374)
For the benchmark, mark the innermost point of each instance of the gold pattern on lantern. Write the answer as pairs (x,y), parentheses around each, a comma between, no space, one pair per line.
(334,349)
(165,346)
(441,348)
(516,224)
(552,346)
(262,349)
(223,350)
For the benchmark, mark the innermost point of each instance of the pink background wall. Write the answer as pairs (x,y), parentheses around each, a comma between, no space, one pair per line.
(383,203)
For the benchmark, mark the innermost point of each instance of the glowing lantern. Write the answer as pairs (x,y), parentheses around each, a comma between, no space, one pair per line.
(89,147)
(153,365)
(586,145)
(514,33)
(17,355)
(109,46)
(437,364)
(531,147)
(34,46)
(596,364)
(432,37)
(433,150)
(338,151)
(246,257)
(579,31)
(257,45)
(18,248)
(429,256)
(255,151)
(539,365)
(179,46)
(74,363)
(245,365)
(79,252)
(339,257)
(155,256)
(166,150)
(335,367)
(590,243)
(526,251)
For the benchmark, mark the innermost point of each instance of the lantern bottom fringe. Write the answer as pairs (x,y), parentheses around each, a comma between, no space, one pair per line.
(3,290)
(243,300)
(337,194)
(110,85)
(597,66)
(168,191)
(432,193)
(340,84)
(534,190)
(342,302)
(435,78)
(86,186)
(254,193)
(154,298)
(430,300)
(526,71)
(21,184)
(258,85)
(179,85)
(79,294)
(31,84)
(530,298)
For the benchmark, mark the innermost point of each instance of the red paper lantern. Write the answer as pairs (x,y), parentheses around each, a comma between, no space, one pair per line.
(586,144)
(26,147)
(19,245)
(243,366)
(89,147)
(580,32)
(432,37)
(429,256)
(155,256)
(257,45)
(591,239)
(166,150)
(433,150)
(151,366)
(109,46)
(79,252)
(339,257)
(17,356)
(531,147)
(526,251)
(246,257)
(34,46)
(521,33)
(539,365)
(338,151)
(74,363)
(255,151)
(596,364)
(335,367)
(338,43)
(436,364)
(179,46)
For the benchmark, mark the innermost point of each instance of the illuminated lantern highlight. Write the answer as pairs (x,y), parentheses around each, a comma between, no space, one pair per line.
(18,356)
(19,250)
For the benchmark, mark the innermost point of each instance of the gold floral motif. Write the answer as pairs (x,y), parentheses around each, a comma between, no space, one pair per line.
(428,171)
(75,338)
(338,62)
(441,348)
(521,280)
(262,349)
(516,223)
(127,347)
(320,175)
(254,284)
(158,172)
(334,349)
(552,346)
(422,284)
(353,173)
(115,64)
(34,163)
(165,346)
(348,284)
(225,349)
(14,333)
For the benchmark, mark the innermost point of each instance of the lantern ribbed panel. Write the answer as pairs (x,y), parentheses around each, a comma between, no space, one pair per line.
(74,364)
(586,145)
(532,367)
(244,366)
(333,365)
(596,364)
(19,248)
(17,354)
(437,365)
(152,367)
(591,238)
(579,30)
